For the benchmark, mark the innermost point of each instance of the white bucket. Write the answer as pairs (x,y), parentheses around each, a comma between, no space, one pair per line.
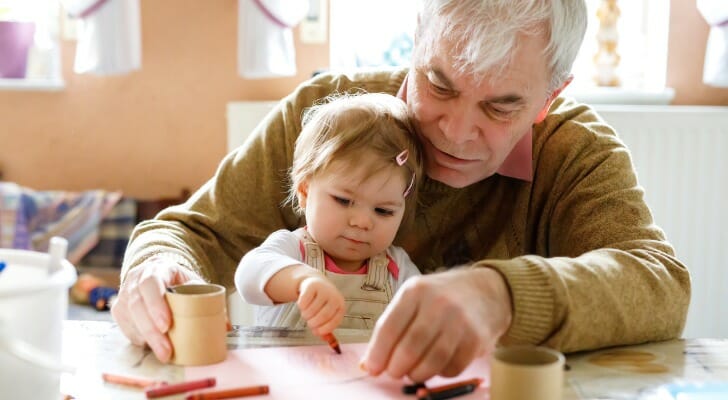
(33,305)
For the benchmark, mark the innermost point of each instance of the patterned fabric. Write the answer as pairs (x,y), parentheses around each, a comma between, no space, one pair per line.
(29,218)
(114,233)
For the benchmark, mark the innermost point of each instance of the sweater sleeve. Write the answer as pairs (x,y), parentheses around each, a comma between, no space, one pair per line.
(280,250)
(600,272)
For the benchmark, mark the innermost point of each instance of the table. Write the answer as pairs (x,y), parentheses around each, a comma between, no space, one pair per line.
(630,372)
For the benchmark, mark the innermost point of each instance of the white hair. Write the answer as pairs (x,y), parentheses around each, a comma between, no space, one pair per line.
(485,32)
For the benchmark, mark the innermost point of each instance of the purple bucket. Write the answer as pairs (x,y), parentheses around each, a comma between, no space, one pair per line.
(15,41)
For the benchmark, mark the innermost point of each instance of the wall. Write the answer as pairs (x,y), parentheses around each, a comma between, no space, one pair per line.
(149,133)
(155,131)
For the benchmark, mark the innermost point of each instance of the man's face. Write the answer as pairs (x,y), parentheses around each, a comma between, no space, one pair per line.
(469,127)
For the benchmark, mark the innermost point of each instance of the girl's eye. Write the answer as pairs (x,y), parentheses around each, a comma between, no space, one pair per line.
(383,212)
(341,200)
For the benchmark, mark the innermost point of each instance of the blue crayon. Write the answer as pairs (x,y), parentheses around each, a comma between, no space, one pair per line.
(2,266)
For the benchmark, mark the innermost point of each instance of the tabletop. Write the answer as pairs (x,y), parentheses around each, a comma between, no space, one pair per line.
(629,372)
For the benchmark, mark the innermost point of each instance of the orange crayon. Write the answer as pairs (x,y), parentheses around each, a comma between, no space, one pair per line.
(230,393)
(130,380)
(176,388)
(333,343)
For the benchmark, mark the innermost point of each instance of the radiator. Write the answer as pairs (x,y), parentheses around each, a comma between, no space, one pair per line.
(680,156)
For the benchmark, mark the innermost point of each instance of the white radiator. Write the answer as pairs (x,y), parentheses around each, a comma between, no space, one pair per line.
(680,154)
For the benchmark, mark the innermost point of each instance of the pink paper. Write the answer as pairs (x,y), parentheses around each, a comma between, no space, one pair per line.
(308,372)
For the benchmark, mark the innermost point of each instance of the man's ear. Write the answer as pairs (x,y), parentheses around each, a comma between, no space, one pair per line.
(302,194)
(545,110)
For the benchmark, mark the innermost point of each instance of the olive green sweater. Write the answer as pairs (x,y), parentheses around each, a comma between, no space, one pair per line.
(586,265)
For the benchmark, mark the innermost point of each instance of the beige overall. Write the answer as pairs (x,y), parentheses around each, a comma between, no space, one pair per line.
(366,296)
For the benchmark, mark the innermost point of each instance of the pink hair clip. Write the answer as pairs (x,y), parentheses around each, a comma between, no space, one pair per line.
(402,157)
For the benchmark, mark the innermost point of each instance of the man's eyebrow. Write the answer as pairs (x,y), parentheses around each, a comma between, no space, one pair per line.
(505,99)
(441,77)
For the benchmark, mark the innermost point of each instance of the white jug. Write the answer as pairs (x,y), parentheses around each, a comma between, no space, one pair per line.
(33,304)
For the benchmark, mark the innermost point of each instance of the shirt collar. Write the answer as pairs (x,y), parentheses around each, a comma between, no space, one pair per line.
(518,164)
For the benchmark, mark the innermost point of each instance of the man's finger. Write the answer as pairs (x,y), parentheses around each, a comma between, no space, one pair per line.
(156,340)
(422,341)
(390,327)
(152,291)
(120,314)
(438,353)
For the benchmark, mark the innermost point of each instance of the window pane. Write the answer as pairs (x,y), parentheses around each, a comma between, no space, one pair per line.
(41,56)
(363,35)
(642,45)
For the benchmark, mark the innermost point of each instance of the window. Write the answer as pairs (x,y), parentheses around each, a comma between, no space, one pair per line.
(362,35)
(371,33)
(29,46)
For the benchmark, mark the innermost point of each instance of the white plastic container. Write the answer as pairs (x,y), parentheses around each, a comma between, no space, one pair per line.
(33,305)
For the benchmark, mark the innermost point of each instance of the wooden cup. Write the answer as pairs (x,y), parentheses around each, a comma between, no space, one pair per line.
(199,324)
(526,373)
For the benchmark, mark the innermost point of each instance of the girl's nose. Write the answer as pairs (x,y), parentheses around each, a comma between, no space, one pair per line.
(360,219)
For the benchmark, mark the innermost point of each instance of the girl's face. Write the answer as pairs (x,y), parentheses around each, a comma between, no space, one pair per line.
(350,217)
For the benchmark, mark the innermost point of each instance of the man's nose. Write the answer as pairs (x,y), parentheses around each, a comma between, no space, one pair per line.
(459,125)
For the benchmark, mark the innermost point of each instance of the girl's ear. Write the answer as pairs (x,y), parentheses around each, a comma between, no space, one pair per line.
(302,194)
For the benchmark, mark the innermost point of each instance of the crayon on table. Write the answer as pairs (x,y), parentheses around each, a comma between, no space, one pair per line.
(413,387)
(449,393)
(432,393)
(131,380)
(333,342)
(230,393)
(176,388)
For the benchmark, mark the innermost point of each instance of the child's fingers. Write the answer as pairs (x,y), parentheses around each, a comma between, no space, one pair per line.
(325,315)
(305,299)
(313,307)
(331,324)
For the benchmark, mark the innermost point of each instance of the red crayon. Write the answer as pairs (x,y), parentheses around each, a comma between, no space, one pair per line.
(175,388)
(230,393)
(333,343)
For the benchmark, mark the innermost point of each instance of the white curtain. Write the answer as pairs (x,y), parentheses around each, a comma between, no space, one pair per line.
(715,69)
(265,37)
(109,36)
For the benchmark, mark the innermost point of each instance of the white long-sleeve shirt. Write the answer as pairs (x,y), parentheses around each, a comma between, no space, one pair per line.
(280,250)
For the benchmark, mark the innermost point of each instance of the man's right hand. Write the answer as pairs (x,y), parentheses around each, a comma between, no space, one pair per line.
(140,309)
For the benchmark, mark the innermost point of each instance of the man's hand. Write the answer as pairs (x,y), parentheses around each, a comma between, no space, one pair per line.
(140,309)
(437,324)
(321,304)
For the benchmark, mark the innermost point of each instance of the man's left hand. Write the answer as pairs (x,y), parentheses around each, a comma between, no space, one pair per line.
(437,324)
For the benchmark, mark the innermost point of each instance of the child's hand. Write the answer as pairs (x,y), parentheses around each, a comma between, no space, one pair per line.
(321,304)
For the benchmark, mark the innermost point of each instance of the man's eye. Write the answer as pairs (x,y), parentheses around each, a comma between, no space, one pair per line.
(501,113)
(442,91)
(341,200)
(384,212)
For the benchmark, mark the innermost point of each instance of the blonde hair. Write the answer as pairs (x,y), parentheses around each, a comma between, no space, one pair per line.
(486,32)
(345,127)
